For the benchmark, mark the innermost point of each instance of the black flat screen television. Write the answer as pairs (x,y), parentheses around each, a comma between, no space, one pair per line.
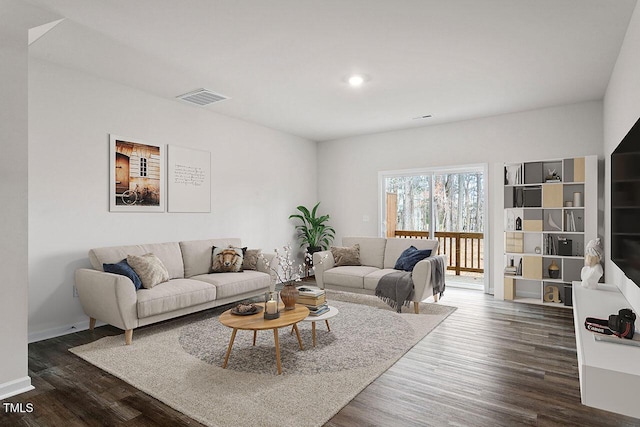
(625,204)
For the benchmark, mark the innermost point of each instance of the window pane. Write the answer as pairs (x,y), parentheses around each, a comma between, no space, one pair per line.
(143,166)
(459,202)
(408,203)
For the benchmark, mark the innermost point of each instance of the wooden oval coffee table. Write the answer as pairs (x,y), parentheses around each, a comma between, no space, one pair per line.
(257,322)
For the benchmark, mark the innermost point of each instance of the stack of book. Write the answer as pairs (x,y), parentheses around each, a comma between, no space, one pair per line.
(511,270)
(314,299)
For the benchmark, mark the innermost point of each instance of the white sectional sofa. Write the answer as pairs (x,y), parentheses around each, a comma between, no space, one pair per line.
(378,256)
(113,298)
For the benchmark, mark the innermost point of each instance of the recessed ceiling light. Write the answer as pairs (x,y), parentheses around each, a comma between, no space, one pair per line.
(357,80)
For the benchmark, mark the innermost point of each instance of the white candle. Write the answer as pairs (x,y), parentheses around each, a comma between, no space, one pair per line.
(272,307)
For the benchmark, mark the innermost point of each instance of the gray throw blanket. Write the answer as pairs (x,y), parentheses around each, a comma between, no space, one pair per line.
(396,289)
(438,271)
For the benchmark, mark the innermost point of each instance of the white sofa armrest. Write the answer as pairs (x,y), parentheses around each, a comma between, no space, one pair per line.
(322,261)
(108,297)
(422,277)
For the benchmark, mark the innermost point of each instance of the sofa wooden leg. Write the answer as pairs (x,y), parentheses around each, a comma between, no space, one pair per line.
(435,298)
(416,307)
(128,336)
(92,323)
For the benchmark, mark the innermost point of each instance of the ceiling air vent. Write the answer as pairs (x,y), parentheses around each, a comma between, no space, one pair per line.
(202,97)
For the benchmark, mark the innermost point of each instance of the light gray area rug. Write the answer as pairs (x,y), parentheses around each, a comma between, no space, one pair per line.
(179,362)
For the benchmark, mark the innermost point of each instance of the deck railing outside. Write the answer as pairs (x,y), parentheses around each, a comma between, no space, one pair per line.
(465,250)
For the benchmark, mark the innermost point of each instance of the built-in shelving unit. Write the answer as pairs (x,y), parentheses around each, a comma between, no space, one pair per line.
(550,212)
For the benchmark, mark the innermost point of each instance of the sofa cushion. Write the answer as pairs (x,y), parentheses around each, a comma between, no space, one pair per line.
(196,254)
(169,254)
(231,284)
(124,269)
(351,276)
(173,295)
(343,255)
(149,268)
(395,246)
(371,249)
(371,280)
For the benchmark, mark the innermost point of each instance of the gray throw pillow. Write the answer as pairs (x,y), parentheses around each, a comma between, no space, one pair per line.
(346,255)
(149,268)
(250,261)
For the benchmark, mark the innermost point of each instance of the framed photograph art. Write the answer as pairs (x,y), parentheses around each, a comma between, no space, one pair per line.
(137,176)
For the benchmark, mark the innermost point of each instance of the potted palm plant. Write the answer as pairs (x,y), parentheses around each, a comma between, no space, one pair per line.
(314,230)
(316,234)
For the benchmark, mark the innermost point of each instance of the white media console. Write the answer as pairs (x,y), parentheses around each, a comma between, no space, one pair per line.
(609,371)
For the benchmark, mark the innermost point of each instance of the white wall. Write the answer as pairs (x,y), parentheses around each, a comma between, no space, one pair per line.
(15,20)
(13,210)
(259,176)
(621,111)
(348,168)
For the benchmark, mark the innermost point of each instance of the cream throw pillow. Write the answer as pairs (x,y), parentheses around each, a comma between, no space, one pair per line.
(149,268)
(346,255)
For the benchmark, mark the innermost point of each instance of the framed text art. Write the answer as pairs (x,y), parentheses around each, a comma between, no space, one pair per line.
(137,176)
(189,180)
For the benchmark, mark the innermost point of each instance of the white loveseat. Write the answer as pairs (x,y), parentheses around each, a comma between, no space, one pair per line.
(378,256)
(113,299)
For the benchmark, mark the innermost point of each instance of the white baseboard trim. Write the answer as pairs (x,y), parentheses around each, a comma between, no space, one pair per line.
(61,330)
(11,388)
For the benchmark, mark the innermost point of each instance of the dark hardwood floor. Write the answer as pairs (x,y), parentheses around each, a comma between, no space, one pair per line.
(491,363)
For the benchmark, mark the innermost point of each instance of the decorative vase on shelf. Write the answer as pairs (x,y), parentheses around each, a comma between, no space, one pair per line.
(289,295)
(554,270)
(577,199)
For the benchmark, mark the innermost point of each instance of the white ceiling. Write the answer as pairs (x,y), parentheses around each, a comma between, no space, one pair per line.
(282,62)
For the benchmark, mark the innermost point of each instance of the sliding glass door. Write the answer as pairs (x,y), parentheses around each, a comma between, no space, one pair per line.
(443,204)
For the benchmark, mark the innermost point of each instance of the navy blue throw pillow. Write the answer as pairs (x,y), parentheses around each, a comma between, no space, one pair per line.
(415,257)
(410,257)
(402,259)
(124,269)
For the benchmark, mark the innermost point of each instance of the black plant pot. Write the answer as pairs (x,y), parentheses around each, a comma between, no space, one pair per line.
(311,250)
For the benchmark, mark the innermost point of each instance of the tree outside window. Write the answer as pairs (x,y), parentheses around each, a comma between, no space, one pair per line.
(457,198)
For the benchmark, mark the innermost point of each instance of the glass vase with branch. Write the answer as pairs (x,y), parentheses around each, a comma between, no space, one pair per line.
(287,273)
